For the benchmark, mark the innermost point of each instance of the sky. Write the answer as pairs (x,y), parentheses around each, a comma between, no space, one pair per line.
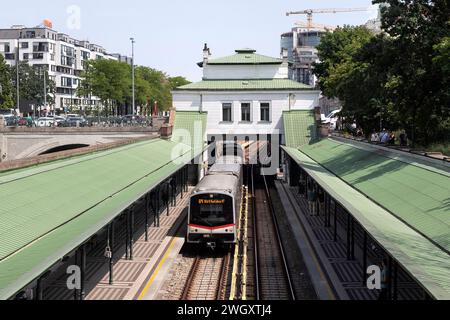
(170,34)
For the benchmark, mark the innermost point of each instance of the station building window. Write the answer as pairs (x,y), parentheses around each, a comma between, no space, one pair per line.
(227,114)
(246,112)
(265,111)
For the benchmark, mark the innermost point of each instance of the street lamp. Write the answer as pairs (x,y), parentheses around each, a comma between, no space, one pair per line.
(132,75)
(17,74)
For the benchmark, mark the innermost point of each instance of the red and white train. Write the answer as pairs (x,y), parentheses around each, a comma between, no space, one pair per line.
(215,204)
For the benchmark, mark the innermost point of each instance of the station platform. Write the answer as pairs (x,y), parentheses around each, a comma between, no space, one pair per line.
(132,278)
(334,276)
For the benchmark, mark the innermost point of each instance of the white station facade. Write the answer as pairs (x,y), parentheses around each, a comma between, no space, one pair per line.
(245,94)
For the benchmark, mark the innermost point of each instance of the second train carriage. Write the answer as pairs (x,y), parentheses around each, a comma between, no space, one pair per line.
(215,204)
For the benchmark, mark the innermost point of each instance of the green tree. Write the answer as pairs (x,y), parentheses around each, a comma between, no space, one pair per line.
(108,80)
(6,88)
(158,87)
(418,86)
(111,82)
(176,82)
(31,80)
(400,77)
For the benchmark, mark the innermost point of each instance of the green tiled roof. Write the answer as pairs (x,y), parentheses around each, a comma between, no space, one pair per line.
(418,196)
(364,183)
(190,129)
(239,85)
(245,56)
(299,127)
(49,210)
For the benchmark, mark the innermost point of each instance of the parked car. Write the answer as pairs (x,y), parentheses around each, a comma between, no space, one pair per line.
(11,121)
(331,119)
(74,122)
(45,122)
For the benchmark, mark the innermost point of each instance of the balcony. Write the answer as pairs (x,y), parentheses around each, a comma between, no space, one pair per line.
(38,56)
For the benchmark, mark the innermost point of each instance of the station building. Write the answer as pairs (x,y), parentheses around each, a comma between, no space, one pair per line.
(245,96)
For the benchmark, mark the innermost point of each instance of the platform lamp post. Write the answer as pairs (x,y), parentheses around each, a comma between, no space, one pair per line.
(133,77)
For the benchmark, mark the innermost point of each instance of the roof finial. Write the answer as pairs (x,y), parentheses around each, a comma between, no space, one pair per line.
(206,54)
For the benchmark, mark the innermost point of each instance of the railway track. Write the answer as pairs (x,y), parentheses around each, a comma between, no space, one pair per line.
(273,280)
(260,269)
(207,278)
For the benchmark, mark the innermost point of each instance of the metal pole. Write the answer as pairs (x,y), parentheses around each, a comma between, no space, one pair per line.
(111,246)
(181,183)
(45,90)
(147,209)
(39,289)
(390,278)
(158,204)
(83,271)
(75,291)
(131,232)
(335,221)
(127,235)
(17,75)
(364,258)
(348,236)
(395,281)
(132,74)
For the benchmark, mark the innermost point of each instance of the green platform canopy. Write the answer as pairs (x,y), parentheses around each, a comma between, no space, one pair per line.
(49,210)
(300,127)
(402,203)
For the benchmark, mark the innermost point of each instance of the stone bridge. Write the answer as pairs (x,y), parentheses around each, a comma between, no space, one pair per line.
(21,143)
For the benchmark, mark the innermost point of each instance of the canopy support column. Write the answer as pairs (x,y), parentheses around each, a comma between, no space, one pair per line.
(127,235)
(39,289)
(335,221)
(131,228)
(364,258)
(147,213)
(111,248)
(83,271)
(352,248)
(348,237)
(390,267)
(395,298)
(180,174)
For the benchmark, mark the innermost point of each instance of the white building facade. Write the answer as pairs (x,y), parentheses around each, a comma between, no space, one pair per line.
(63,57)
(245,94)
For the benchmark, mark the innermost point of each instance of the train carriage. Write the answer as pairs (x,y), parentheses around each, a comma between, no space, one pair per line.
(215,204)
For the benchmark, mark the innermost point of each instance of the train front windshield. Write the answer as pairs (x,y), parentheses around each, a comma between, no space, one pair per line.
(212,210)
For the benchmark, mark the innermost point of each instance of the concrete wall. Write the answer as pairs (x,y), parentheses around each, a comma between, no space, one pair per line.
(21,144)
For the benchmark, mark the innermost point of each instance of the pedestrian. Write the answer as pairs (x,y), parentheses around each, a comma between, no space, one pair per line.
(375,138)
(360,133)
(403,139)
(312,198)
(384,293)
(384,137)
(392,139)
(29,121)
(321,197)
(302,185)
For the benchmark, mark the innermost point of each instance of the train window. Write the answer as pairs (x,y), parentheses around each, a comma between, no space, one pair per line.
(211,212)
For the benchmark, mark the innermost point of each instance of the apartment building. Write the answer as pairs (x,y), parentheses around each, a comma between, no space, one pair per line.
(62,56)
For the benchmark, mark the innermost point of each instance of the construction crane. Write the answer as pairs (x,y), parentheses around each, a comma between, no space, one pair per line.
(324,27)
(310,12)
